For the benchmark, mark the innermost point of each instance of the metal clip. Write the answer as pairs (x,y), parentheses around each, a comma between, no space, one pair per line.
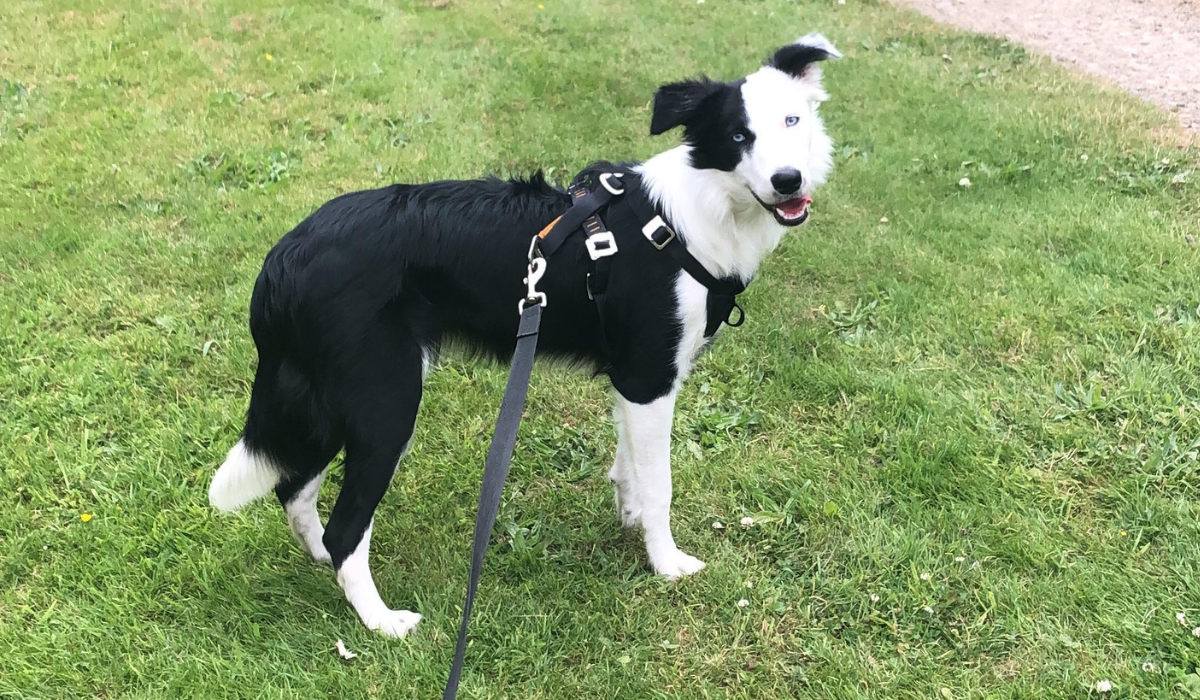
(537,268)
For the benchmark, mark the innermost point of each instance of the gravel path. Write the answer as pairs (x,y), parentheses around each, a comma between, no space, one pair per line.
(1149,47)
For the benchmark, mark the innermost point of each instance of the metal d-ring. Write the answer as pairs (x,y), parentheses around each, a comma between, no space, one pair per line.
(613,190)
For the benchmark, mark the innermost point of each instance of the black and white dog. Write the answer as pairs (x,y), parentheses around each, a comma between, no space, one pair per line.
(352,304)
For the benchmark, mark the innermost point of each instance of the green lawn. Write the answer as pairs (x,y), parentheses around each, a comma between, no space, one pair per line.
(968,434)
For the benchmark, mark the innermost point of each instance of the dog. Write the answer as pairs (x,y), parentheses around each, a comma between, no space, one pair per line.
(354,303)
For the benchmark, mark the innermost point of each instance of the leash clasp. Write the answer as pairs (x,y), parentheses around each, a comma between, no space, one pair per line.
(537,269)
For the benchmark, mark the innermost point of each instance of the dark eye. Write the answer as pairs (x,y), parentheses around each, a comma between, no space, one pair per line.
(739,137)
(792,120)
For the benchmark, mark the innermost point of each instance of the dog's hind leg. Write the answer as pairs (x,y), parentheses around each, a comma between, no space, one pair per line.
(384,381)
(369,469)
(299,498)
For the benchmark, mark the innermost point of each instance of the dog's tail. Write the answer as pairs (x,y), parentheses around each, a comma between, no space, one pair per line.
(289,434)
(245,477)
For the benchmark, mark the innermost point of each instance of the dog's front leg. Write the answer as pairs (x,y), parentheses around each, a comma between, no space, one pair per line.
(648,427)
(629,507)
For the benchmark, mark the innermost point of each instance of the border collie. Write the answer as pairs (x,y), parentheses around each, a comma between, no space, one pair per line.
(353,303)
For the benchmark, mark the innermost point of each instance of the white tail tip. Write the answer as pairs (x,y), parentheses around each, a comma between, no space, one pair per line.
(242,479)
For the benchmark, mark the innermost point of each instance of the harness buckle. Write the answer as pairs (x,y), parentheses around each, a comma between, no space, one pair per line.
(537,268)
(612,189)
(652,227)
(601,245)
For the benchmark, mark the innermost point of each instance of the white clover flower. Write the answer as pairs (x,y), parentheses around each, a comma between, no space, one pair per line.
(747,521)
(925,576)
(717,525)
(743,603)
(1196,631)
(874,597)
(960,559)
(1149,667)
(1181,618)
(965,182)
(1103,686)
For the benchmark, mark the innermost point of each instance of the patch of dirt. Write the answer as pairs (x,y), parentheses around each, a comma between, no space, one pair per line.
(242,22)
(1149,47)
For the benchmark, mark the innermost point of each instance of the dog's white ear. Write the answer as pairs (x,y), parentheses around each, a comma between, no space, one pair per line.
(677,103)
(799,60)
(817,40)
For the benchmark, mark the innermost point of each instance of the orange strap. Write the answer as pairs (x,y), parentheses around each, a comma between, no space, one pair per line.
(549,226)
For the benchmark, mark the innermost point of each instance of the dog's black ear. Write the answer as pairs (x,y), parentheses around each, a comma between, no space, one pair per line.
(677,103)
(797,59)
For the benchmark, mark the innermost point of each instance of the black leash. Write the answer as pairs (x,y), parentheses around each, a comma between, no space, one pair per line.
(495,470)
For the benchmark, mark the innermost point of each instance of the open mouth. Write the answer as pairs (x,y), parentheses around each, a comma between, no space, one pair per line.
(789,212)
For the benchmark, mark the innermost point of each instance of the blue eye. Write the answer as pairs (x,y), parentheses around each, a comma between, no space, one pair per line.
(739,137)
(792,120)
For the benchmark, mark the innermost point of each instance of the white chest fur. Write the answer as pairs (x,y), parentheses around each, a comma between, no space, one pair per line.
(693,316)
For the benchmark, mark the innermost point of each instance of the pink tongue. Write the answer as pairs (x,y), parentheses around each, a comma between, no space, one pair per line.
(795,206)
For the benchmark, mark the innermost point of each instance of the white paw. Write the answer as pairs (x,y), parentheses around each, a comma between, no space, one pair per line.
(395,623)
(676,564)
(316,550)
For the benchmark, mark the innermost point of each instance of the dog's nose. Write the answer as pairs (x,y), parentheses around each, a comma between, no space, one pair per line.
(787,181)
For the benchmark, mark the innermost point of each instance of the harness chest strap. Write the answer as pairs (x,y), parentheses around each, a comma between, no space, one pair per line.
(722,293)
(583,214)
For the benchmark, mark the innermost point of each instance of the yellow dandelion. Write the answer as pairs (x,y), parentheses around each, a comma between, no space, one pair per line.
(269,57)
(541,7)
(1123,533)
(85,517)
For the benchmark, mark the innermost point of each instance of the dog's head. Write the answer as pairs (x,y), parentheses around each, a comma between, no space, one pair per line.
(762,130)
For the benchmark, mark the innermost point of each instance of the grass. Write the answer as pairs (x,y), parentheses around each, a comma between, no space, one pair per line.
(968,434)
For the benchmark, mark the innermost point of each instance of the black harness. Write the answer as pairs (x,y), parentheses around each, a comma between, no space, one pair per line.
(585,215)
(636,214)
